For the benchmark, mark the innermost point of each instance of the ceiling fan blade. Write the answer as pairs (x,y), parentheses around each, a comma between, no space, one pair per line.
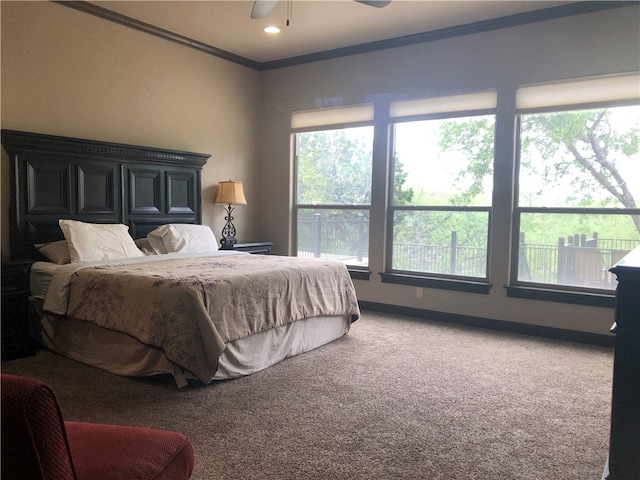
(262,8)
(375,3)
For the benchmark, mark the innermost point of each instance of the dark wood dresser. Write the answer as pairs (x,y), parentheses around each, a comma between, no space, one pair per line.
(624,441)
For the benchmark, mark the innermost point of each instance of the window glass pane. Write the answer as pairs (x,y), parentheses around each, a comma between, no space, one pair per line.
(444,162)
(334,167)
(585,158)
(442,242)
(338,234)
(574,249)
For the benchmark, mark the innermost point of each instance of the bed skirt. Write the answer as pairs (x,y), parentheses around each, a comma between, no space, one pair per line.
(124,355)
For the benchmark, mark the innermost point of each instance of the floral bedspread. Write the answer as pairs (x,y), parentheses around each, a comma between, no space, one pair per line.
(190,307)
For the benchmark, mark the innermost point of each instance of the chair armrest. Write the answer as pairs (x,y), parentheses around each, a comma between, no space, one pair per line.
(34,441)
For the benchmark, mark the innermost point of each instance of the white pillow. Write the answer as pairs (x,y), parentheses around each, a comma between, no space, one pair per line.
(183,237)
(95,241)
(155,240)
(57,252)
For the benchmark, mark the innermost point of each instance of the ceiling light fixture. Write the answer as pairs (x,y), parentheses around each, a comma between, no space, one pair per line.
(271,29)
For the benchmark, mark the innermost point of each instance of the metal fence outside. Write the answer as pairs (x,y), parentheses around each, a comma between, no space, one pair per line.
(574,260)
(452,259)
(336,238)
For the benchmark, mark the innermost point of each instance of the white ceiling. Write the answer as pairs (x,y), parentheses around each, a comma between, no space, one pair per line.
(315,26)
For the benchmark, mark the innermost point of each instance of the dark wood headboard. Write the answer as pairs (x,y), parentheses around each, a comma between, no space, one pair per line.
(56,177)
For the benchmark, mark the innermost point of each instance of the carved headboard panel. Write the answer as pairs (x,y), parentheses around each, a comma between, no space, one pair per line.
(56,177)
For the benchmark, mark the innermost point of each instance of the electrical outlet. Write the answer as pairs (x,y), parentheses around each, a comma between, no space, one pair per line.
(419,292)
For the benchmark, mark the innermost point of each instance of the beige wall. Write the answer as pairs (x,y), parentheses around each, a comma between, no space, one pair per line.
(68,73)
(590,44)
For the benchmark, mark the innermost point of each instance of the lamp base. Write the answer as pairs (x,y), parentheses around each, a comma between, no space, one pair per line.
(229,231)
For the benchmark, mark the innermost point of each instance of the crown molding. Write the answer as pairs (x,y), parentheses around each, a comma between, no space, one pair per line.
(112,16)
(509,21)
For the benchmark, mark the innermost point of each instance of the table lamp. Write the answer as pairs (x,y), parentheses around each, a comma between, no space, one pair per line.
(229,193)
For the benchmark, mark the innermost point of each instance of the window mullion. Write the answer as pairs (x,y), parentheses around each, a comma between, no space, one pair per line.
(380,190)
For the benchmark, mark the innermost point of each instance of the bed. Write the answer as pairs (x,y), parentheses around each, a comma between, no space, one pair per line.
(200,315)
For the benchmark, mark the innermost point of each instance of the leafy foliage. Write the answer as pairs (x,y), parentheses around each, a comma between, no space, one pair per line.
(473,138)
(568,159)
(401,195)
(581,149)
(435,227)
(334,167)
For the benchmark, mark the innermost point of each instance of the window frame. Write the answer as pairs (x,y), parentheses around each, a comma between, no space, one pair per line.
(356,271)
(573,294)
(463,283)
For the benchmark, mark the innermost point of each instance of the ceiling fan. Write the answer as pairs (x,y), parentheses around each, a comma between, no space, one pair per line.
(262,8)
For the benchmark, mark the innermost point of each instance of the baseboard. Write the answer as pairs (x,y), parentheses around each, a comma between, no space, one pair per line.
(492,324)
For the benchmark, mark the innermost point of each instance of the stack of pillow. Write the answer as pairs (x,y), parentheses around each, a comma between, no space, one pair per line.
(86,242)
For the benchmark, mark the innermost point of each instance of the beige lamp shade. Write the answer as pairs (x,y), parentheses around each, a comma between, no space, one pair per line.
(230,193)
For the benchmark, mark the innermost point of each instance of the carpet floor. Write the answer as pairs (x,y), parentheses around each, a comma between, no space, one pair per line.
(396,398)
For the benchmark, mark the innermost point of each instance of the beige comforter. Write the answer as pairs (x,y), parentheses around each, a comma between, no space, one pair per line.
(190,307)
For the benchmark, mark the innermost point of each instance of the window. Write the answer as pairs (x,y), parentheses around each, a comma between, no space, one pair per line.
(440,209)
(333,184)
(578,182)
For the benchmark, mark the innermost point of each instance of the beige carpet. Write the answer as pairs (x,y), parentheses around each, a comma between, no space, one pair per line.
(397,398)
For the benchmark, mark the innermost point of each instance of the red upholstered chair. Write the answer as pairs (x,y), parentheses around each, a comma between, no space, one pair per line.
(37,444)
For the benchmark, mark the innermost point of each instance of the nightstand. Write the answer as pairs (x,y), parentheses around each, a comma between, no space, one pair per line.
(260,248)
(16,331)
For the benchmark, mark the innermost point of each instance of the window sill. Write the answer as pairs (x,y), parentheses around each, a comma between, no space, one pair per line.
(549,295)
(359,274)
(441,283)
